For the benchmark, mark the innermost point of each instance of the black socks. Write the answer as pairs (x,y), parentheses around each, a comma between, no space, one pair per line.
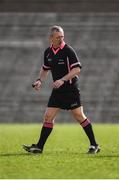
(89,131)
(45,132)
(48,127)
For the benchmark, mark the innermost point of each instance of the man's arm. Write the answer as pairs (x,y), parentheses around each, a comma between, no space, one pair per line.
(70,75)
(42,76)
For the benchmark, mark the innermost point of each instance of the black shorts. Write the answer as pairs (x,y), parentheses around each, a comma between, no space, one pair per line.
(65,100)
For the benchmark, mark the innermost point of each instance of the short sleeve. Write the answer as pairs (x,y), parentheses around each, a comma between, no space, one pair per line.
(73,59)
(46,65)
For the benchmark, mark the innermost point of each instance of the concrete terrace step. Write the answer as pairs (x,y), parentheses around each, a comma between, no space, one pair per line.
(36,24)
(23,37)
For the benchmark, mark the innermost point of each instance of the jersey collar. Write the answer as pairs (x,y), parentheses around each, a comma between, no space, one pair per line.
(61,47)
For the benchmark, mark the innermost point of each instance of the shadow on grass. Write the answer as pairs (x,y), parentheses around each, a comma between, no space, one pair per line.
(15,154)
(83,155)
(103,156)
(58,153)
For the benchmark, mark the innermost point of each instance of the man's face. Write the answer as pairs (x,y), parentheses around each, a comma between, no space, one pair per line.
(57,39)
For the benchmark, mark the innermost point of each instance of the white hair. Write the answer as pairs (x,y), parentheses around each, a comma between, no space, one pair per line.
(55,29)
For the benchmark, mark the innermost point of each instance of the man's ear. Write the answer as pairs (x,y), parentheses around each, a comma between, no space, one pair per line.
(50,39)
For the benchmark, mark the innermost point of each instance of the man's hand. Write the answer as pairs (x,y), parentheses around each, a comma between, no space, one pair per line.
(37,85)
(58,83)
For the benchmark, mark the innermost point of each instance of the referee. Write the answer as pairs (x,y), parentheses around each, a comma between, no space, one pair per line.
(65,67)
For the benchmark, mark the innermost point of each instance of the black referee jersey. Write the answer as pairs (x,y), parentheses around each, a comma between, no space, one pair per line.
(60,61)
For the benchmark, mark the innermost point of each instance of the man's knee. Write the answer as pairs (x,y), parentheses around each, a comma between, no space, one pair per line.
(50,114)
(48,117)
(79,114)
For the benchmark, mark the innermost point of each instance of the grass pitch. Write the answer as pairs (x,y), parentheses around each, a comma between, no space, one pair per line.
(64,156)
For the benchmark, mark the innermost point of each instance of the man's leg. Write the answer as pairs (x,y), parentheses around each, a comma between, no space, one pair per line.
(47,127)
(86,124)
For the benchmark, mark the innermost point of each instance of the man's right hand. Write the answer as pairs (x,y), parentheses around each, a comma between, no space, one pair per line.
(37,85)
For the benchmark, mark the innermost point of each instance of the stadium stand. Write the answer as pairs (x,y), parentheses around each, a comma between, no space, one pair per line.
(59,6)
(23,37)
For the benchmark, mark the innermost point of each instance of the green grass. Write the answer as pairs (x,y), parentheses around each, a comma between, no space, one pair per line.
(64,155)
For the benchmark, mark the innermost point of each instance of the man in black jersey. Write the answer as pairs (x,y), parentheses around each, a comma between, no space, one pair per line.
(65,67)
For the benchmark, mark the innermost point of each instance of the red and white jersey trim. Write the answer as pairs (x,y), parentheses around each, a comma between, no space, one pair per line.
(46,67)
(68,69)
(75,64)
(60,47)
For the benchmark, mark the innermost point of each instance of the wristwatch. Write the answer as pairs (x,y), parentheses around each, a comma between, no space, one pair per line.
(64,80)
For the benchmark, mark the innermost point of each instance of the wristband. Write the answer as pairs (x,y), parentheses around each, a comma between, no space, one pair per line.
(37,80)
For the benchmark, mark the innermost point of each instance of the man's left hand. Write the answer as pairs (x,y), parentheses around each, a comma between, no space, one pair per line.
(57,83)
